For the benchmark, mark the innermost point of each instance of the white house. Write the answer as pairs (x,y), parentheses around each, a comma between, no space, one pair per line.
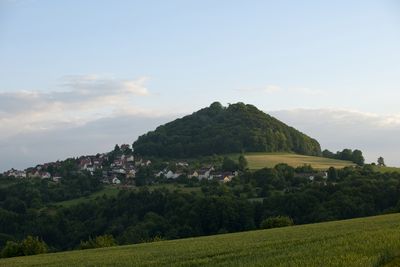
(195,174)
(172,175)
(115,180)
(56,179)
(205,173)
(45,175)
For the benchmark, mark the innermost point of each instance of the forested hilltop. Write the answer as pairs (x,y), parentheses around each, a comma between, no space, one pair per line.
(221,130)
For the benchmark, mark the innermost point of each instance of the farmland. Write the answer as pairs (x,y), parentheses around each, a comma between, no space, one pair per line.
(262,160)
(373,241)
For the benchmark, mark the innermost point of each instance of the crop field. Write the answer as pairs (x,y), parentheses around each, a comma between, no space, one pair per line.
(262,160)
(373,241)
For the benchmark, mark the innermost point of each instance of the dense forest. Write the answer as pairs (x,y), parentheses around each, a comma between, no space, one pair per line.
(145,214)
(221,130)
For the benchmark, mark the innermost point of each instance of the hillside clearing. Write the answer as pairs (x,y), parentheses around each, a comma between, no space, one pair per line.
(262,160)
(111,191)
(372,241)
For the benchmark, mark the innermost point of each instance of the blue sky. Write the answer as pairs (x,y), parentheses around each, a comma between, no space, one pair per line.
(68,64)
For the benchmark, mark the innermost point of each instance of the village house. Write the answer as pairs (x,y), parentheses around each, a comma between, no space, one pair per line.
(56,179)
(195,174)
(131,174)
(182,164)
(45,175)
(115,180)
(205,173)
(173,175)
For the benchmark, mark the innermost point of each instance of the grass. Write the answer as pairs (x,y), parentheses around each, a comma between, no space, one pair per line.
(175,187)
(373,241)
(262,160)
(107,190)
(386,169)
(110,191)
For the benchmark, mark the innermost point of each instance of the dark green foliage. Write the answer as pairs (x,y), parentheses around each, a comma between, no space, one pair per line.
(102,241)
(229,164)
(242,163)
(275,222)
(11,249)
(29,246)
(220,130)
(332,174)
(381,162)
(358,157)
(33,245)
(355,156)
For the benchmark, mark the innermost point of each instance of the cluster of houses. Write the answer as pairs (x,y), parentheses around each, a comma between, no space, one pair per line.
(208,173)
(36,172)
(120,168)
(123,165)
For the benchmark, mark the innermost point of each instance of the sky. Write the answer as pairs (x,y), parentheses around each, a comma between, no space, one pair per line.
(77,77)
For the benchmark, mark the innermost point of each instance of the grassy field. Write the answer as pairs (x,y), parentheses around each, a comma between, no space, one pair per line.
(262,160)
(373,241)
(111,190)
(387,169)
(108,190)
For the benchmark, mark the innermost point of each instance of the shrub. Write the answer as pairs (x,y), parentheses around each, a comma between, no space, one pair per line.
(11,249)
(99,242)
(29,246)
(32,246)
(275,222)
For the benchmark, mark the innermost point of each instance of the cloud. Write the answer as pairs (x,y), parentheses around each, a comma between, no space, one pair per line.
(79,99)
(31,148)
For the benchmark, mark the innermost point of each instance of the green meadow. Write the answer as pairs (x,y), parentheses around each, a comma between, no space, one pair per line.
(262,160)
(373,241)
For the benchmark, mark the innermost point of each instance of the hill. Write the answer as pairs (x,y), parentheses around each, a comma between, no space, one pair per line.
(372,241)
(222,130)
(261,160)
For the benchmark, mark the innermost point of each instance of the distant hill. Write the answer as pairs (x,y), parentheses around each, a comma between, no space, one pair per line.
(221,130)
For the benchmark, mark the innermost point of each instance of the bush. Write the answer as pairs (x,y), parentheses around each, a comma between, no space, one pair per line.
(275,222)
(11,249)
(29,246)
(99,242)
(32,246)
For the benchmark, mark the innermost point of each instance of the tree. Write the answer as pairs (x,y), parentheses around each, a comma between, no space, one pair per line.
(229,164)
(117,149)
(275,222)
(242,163)
(346,154)
(29,246)
(332,174)
(33,245)
(328,154)
(11,249)
(381,162)
(358,157)
(102,241)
